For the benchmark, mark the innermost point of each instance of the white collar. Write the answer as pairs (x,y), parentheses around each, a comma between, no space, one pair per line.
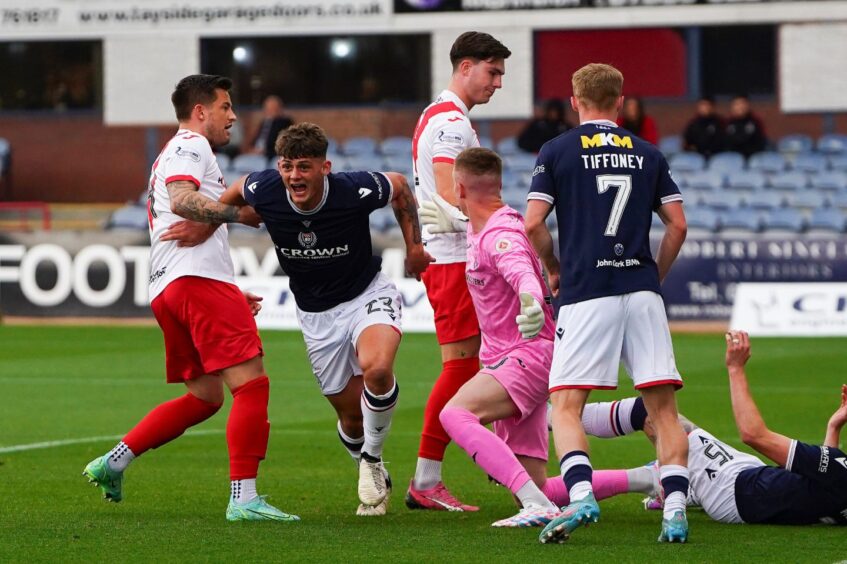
(450,96)
(600,122)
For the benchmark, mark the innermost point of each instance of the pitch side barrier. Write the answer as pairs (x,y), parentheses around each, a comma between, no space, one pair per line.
(102,280)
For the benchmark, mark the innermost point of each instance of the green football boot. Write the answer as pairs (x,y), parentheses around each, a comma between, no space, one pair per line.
(98,473)
(257,509)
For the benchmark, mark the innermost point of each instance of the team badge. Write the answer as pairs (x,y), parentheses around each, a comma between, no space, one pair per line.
(502,245)
(307,240)
(618,249)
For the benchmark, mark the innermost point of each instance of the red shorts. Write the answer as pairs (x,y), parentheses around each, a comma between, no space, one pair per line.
(447,290)
(207,325)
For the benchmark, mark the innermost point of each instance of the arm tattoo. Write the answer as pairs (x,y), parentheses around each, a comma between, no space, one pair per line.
(406,212)
(187,202)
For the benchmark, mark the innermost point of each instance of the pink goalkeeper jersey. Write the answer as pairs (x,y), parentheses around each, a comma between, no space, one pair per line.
(501,264)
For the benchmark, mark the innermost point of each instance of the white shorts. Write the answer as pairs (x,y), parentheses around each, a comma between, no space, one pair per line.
(594,336)
(331,335)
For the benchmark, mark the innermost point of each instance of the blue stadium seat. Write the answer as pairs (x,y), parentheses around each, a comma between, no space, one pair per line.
(399,163)
(382,220)
(727,163)
(687,162)
(830,181)
(243,164)
(741,220)
(365,161)
(839,200)
(789,181)
(797,143)
(333,145)
(828,219)
(486,141)
(224,161)
(784,219)
(702,219)
(838,162)
(746,181)
(520,162)
(508,146)
(231,175)
(832,144)
(670,145)
(809,163)
(359,146)
(705,180)
(515,200)
(396,146)
(807,200)
(769,162)
(339,161)
(721,200)
(692,196)
(765,200)
(128,217)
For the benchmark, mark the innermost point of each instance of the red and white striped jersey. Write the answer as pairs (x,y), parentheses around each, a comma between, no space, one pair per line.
(187,156)
(443,131)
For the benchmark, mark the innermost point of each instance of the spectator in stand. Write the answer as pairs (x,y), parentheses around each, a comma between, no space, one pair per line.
(745,132)
(706,132)
(550,122)
(634,120)
(274,120)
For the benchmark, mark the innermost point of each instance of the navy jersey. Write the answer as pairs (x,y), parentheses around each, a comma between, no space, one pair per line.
(812,488)
(326,252)
(605,184)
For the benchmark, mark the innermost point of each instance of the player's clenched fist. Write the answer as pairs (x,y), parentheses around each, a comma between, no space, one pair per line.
(531,319)
(442,217)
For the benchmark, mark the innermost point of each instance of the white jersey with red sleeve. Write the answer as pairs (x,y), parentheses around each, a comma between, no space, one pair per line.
(443,131)
(187,156)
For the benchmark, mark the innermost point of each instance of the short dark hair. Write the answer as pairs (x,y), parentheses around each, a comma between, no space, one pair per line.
(477,45)
(479,161)
(197,89)
(301,141)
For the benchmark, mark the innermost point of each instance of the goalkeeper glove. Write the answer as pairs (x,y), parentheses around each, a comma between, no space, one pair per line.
(442,217)
(531,319)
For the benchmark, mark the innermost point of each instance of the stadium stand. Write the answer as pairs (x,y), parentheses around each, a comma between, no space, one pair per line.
(687,162)
(789,182)
(810,163)
(242,164)
(768,162)
(784,220)
(358,146)
(827,221)
(832,144)
(746,181)
(727,163)
(795,144)
(670,145)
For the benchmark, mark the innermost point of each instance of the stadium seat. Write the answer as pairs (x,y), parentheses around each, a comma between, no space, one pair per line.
(789,181)
(830,181)
(670,145)
(128,217)
(339,161)
(705,180)
(486,141)
(746,181)
(399,163)
(365,161)
(832,144)
(508,146)
(809,163)
(334,146)
(356,146)
(839,200)
(515,200)
(520,162)
(726,163)
(784,219)
(396,146)
(702,219)
(721,200)
(765,200)
(243,164)
(827,220)
(382,220)
(692,196)
(224,161)
(769,162)
(742,220)
(807,200)
(687,162)
(795,144)
(838,162)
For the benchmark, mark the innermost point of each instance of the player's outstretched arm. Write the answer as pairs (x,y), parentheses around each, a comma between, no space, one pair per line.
(837,421)
(406,212)
(538,234)
(676,229)
(187,202)
(751,426)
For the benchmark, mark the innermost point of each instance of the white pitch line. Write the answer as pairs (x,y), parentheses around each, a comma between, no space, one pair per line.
(83,440)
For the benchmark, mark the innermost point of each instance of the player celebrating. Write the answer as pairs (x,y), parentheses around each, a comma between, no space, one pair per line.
(605,184)
(210,335)
(809,486)
(348,310)
(442,132)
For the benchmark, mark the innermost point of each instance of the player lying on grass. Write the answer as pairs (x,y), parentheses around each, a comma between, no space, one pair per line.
(808,486)
(348,310)
(505,282)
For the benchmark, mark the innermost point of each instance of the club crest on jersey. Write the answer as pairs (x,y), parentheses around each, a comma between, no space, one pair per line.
(502,245)
(605,140)
(618,249)
(307,239)
(188,154)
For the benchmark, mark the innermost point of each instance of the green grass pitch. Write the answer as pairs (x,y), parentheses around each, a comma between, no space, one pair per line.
(65,383)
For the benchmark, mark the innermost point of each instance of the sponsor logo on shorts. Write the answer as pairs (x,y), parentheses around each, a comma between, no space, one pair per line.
(158,274)
(559,332)
(188,154)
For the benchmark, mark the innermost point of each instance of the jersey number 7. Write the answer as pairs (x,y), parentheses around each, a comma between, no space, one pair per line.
(623,183)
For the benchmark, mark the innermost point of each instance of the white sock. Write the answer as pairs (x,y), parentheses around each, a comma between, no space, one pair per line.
(530,495)
(242,491)
(673,503)
(353,446)
(377,412)
(609,418)
(427,474)
(643,480)
(580,491)
(120,457)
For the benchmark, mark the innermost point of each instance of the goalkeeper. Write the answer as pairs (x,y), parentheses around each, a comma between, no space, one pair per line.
(509,296)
